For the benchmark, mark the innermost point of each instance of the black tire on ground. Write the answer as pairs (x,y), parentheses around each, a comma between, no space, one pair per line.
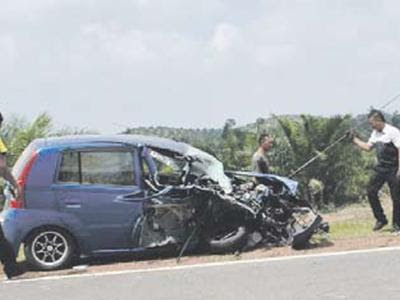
(230,241)
(49,248)
(301,238)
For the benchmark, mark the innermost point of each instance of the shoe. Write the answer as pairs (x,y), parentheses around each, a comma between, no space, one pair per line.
(395,229)
(379,225)
(12,270)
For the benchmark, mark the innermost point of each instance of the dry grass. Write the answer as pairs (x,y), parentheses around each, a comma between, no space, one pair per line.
(356,221)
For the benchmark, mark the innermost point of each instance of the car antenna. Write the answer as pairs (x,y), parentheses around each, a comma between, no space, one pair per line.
(333,144)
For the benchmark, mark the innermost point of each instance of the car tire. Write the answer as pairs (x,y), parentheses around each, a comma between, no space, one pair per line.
(229,241)
(303,233)
(49,249)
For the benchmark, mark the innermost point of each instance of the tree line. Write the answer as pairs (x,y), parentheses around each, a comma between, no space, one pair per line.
(339,176)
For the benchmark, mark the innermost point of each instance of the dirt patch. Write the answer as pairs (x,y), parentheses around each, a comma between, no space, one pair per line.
(375,241)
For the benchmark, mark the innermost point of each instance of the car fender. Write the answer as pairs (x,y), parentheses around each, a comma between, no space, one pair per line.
(18,224)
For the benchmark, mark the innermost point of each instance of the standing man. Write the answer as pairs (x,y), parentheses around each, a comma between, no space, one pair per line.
(7,255)
(385,139)
(259,161)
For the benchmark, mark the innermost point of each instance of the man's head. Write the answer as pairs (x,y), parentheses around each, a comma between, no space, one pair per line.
(376,119)
(1,119)
(265,142)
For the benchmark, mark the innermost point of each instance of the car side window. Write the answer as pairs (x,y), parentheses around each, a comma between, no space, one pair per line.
(69,168)
(110,168)
(97,167)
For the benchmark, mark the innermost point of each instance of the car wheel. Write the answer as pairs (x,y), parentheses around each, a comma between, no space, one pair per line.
(228,241)
(305,225)
(49,249)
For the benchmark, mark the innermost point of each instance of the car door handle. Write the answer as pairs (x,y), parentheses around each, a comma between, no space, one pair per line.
(73,204)
(128,198)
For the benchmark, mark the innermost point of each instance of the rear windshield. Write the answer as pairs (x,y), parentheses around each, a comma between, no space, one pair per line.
(22,160)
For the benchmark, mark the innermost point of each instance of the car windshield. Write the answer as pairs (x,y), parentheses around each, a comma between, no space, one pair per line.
(170,164)
(205,164)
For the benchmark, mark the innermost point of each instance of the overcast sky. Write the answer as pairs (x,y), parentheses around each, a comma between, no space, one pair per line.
(195,63)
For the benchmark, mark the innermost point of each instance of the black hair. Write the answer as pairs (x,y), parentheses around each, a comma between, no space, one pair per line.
(262,137)
(1,117)
(376,114)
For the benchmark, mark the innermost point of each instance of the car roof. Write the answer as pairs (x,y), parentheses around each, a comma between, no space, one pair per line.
(134,140)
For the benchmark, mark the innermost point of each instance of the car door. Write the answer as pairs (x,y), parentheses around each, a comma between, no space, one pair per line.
(92,184)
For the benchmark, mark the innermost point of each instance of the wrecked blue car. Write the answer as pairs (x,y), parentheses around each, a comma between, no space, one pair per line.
(98,195)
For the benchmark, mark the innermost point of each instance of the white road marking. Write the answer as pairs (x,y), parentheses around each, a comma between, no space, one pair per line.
(206,265)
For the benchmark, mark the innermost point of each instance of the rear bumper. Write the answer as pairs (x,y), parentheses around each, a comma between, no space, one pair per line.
(17,224)
(12,232)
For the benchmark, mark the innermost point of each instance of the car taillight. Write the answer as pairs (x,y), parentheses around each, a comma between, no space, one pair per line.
(19,201)
(16,203)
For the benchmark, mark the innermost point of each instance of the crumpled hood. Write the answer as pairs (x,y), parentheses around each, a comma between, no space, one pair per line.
(210,166)
(291,185)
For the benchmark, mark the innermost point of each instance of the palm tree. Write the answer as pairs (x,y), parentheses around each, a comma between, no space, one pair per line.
(18,133)
(335,170)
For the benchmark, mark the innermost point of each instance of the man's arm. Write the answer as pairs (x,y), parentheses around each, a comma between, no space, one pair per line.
(398,170)
(361,144)
(254,165)
(395,139)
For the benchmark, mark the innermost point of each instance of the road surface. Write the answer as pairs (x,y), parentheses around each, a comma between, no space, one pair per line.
(371,274)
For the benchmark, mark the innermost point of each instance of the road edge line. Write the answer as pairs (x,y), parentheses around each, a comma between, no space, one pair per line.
(207,265)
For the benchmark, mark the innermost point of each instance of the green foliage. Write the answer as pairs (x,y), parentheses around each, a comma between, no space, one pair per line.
(341,171)
(18,134)
(236,146)
(396,119)
(72,131)
(337,177)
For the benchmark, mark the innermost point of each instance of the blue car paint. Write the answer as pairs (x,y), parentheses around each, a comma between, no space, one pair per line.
(291,185)
(100,226)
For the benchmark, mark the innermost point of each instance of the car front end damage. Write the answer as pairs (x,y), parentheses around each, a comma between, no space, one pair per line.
(192,203)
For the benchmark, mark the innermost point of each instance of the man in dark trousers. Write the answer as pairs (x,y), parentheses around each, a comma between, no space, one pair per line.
(259,161)
(7,255)
(385,139)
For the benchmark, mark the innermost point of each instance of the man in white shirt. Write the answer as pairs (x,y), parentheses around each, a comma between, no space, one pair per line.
(385,139)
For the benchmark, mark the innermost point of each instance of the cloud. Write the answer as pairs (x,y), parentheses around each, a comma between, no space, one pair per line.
(196,55)
(381,52)
(275,54)
(246,44)
(141,3)
(225,37)
(27,10)
(8,52)
(120,45)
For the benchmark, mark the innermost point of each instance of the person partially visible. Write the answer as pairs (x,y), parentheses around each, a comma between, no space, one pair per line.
(7,255)
(385,139)
(259,161)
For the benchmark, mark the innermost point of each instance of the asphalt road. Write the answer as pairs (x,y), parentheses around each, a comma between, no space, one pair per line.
(360,275)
